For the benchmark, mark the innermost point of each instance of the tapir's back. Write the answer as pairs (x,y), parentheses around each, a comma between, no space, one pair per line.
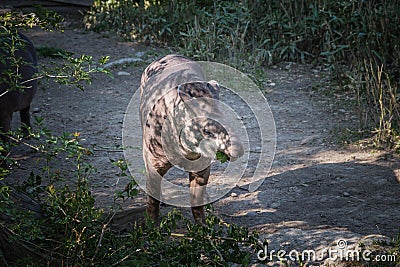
(166,74)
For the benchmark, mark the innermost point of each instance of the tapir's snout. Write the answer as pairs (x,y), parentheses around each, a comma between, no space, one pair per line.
(235,149)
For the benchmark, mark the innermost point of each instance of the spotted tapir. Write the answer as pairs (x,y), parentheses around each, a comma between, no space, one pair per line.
(181,125)
(23,66)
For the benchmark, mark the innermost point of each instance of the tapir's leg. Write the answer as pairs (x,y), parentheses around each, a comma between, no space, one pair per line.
(153,208)
(153,187)
(198,182)
(5,124)
(25,120)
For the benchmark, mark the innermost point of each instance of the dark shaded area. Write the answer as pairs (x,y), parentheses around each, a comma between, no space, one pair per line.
(363,198)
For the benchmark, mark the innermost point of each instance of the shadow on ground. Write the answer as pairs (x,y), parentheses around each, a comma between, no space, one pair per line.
(356,197)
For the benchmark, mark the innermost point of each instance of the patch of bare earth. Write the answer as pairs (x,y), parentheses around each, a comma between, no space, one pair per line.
(316,192)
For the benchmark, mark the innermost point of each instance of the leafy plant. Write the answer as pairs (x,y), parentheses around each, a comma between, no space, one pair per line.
(222,157)
(74,232)
(43,18)
(74,70)
(217,243)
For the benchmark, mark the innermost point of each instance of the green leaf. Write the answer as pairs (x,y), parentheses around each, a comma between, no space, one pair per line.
(222,157)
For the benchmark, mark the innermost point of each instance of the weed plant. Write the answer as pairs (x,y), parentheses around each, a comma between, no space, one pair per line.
(72,231)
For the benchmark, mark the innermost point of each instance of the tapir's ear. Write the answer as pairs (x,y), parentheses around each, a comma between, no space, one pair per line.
(183,92)
(213,86)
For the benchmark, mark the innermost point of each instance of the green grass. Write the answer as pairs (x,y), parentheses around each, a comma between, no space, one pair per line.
(52,52)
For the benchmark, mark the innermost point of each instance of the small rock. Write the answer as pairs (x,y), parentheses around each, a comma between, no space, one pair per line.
(234,195)
(288,66)
(275,205)
(252,214)
(346,194)
(35,110)
(139,54)
(123,73)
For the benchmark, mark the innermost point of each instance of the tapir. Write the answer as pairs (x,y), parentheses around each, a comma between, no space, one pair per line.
(181,126)
(24,68)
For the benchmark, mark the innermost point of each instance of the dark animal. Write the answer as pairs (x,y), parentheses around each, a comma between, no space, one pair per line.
(181,125)
(23,68)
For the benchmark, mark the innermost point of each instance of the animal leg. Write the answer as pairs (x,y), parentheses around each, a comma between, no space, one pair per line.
(153,188)
(25,120)
(198,182)
(5,125)
(153,208)
(5,122)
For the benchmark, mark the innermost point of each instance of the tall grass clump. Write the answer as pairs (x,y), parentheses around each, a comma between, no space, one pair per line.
(204,30)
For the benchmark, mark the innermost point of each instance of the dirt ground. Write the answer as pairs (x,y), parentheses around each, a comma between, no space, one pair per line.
(316,193)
